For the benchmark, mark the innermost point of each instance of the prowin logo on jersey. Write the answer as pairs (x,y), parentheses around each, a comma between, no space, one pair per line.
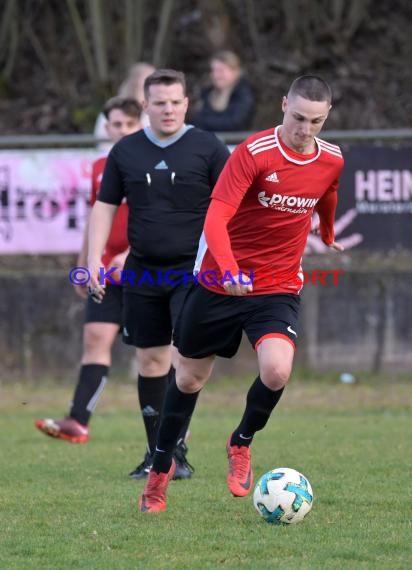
(291,204)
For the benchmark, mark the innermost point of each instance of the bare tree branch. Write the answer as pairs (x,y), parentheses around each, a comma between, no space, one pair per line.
(358,10)
(253,28)
(134,30)
(13,41)
(162,32)
(82,37)
(7,16)
(129,31)
(39,51)
(99,38)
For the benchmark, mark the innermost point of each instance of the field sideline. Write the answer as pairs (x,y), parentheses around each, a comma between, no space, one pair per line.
(67,506)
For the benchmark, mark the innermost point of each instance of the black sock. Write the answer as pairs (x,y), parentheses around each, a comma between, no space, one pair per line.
(260,403)
(185,428)
(177,410)
(151,393)
(91,383)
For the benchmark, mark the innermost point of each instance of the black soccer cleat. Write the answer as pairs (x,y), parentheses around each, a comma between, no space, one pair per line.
(183,468)
(142,470)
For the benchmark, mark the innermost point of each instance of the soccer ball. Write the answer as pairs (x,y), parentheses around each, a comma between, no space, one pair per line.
(283,496)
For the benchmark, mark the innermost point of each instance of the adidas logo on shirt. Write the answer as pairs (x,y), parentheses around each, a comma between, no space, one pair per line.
(272,177)
(161,166)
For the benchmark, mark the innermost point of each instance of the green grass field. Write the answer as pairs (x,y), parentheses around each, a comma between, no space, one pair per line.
(65,506)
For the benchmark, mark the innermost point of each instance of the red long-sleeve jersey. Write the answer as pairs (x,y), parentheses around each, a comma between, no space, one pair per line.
(268,194)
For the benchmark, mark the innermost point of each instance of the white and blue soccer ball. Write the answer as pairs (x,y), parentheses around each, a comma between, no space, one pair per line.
(283,496)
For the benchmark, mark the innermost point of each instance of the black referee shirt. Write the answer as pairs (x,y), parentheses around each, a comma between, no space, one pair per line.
(167,185)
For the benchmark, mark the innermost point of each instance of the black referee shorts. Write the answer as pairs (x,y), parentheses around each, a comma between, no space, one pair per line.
(151,305)
(109,310)
(212,324)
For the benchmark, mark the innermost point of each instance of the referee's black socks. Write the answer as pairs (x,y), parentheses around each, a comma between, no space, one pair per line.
(151,391)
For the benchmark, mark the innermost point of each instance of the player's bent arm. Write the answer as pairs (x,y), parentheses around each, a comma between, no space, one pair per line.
(81,290)
(100,224)
(218,241)
(217,237)
(82,257)
(326,209)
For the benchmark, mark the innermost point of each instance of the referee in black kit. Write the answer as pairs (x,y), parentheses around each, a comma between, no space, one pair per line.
(166,172)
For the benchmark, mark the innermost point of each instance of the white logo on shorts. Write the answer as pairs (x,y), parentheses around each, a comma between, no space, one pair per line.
(289,329)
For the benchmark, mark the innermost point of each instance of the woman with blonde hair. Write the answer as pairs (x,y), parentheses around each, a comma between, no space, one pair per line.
(228,103)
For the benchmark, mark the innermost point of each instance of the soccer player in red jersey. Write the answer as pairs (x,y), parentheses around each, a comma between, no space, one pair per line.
(102,320)
(249,275)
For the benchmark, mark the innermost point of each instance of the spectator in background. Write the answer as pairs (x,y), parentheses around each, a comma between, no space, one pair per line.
(228,103)
(132,87)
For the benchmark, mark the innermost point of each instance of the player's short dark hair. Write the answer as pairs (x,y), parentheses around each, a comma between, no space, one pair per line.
(128,105)
(164,77)
(311,87)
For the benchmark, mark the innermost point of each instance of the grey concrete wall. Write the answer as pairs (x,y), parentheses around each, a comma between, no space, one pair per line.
(363,323)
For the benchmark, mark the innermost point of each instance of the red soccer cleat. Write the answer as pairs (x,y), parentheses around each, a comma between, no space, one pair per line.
(68,429)
(153,499)
(240,475)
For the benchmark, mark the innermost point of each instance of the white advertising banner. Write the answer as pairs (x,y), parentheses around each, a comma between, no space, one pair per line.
(44,200)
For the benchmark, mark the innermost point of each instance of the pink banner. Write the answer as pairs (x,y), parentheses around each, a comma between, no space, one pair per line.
(44,200)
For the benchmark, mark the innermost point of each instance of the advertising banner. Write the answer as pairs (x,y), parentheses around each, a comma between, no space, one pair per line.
(44,200)
(375,200)
(377,188)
